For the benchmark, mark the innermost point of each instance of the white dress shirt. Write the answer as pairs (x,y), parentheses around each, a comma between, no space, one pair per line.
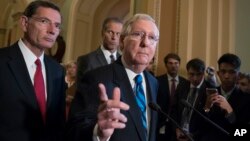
(30,58)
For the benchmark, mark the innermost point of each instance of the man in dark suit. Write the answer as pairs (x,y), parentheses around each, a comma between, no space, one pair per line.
(107,52)
(229,107)
(119,111)
(194,93)
(168,84)
(33,113)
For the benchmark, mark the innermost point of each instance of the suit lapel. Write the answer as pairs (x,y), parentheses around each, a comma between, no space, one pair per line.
(152,95)
(49,81)
(100,57)
(127,96)
(201,96)
(20,72)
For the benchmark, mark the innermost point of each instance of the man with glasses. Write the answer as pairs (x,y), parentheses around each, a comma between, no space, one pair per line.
(107,52)
(228,107)
(32,86)
(111,101)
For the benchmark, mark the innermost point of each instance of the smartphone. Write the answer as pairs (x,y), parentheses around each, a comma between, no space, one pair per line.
(210,91)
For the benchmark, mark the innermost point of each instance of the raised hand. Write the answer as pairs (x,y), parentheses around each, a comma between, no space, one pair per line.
(109,116)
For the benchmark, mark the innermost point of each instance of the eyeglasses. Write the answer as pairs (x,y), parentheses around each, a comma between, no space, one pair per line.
(46,22)
(112,33)
(139,35)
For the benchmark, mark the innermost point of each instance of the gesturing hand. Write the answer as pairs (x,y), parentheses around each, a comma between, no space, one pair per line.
(109,116)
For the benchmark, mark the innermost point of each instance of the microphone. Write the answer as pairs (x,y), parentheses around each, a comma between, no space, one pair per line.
(185,103)
(157,108)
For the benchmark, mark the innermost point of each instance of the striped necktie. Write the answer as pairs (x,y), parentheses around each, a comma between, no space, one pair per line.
(140,99)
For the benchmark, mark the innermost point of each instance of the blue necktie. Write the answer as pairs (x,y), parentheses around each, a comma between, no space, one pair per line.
(140,99)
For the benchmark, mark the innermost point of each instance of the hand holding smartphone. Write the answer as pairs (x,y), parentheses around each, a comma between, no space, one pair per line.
(210,91)
(209,103)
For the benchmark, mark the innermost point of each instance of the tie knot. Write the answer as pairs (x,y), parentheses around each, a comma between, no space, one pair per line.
(173,80)
(138,79)
(112,58)
(38,62)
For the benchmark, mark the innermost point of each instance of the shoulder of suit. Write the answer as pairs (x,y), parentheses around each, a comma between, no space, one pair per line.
(90,54)
(10,50)
(150,76)
(163,76)
(50,61)
(182,78)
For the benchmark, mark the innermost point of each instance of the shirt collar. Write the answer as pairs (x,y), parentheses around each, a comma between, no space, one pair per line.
(130,73)
(28,55)
(226,94)
(170,78)
(107,53)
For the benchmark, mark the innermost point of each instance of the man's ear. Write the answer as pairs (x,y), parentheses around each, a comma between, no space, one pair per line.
(24,23)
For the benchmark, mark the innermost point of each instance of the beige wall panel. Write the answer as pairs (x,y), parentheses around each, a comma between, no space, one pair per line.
(205,30)
(2,37)
(199,30)
(167,42)
(225,28)
(212,46)
(81,39)
(184,33)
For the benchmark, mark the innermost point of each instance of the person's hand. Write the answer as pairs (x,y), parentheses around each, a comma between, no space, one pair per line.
(210,71)
(211,99)
(109,116)
(222,102)
(180,136)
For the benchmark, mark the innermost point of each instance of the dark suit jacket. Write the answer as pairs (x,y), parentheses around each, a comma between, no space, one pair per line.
(163,100)
(163,96)
(83,113)
(20,118)
(240,102)
(91,61)
(197,123)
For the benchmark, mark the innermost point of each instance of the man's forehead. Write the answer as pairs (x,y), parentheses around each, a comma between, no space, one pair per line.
(192,71)
(48,12)
(172,60)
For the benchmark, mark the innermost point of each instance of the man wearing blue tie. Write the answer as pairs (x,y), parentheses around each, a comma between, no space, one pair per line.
(111,101)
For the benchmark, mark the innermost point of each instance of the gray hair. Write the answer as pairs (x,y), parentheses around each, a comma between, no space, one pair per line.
(127,26)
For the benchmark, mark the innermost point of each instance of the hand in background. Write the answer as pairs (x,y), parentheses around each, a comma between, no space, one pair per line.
(180,136)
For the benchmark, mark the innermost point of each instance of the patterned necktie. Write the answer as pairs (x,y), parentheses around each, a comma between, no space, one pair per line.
(173,87)
(192,97)
(172,93)
(112,58)
(40,89)
(187,112)
(140,99)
